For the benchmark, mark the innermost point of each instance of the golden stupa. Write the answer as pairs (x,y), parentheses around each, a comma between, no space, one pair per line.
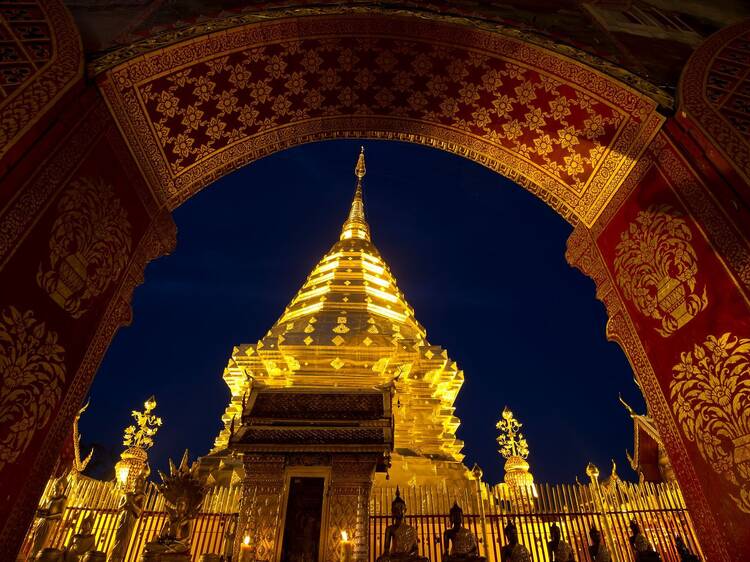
(350,327)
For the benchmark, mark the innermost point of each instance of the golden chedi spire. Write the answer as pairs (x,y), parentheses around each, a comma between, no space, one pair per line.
(356,226)
(349,326)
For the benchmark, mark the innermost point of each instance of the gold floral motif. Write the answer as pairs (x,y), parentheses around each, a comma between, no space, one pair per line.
(656,268)
(711,399)
(89,246)
(33,372)
(431,99)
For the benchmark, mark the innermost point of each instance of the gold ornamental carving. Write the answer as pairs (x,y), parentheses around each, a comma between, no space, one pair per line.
(711,399)
(656,267)
(563,131)
(33,373)
(89,246)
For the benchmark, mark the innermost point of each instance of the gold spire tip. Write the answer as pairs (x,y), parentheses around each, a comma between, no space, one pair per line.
(360,169)
(356,226)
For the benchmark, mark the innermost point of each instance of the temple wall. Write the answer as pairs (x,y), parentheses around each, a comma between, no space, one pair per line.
(79,226)
(695,320)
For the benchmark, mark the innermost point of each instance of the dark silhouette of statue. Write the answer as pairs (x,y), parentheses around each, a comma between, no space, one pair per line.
(597,549)
(559,550)
(459,543)
(83,542)
(642,548)
(514,551)
(684,551)
(400,537)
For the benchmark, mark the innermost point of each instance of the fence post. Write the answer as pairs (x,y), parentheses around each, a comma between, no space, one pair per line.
(477,472)
(592,471)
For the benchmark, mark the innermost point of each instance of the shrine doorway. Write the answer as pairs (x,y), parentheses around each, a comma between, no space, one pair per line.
(303,519)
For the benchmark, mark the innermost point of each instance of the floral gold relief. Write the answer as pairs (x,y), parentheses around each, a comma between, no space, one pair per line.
(89,246)
(656,267)
(711,399)
(32,373)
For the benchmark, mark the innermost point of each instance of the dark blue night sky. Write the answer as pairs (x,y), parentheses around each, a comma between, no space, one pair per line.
(480,259)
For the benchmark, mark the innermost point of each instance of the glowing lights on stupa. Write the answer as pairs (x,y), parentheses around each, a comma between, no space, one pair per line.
(349,326)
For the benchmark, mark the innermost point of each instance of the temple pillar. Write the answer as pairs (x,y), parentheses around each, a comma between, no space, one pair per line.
(260,507)
(349,495)
(78,228)
(669,257)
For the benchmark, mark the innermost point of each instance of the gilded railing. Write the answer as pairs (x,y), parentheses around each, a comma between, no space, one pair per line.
(87,496)
(659,510)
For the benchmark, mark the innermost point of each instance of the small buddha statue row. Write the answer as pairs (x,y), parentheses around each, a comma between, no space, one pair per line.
(401,538)
(461,545)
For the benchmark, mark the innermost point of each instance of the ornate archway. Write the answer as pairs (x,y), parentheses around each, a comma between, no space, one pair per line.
(197,109)
(169,116)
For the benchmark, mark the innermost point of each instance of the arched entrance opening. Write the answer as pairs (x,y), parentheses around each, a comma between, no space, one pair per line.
(228,281)
(588,144)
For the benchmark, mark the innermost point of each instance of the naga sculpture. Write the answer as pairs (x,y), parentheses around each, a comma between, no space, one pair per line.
(183,495)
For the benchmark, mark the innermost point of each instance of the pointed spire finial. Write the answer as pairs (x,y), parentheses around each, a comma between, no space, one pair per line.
(360,169)
(356,226)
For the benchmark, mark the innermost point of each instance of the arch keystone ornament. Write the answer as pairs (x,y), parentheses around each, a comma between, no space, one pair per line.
(89,246)
(33,373)
(711,399)
(656,268)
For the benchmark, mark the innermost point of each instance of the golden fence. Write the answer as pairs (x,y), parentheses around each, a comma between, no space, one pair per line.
(86,496)
(658,508)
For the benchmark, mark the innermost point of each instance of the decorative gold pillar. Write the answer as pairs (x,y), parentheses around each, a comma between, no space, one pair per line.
(260,508)
(348,503)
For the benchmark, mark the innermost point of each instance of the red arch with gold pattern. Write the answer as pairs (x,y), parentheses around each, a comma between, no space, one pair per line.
(166,123)
(198,109)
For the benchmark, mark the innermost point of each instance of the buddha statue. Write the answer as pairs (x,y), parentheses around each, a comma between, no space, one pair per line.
(128,511)
(597,549)
(642,548)
(558,549)
(81,543)
(174,539)
(514,551)
(48,517)
(459,543)
(684,551)
(400,537)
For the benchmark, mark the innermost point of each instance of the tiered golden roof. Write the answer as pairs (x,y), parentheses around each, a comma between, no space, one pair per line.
(349,326)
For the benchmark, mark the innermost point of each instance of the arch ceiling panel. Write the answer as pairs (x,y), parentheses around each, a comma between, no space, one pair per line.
(195,110)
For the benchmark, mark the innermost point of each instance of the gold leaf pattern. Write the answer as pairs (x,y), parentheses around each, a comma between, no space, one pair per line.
(711,398)
(33,373)
(656,268)
(89,246)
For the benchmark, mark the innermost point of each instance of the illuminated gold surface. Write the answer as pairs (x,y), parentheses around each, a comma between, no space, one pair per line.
(147,424)
(656,267)
(79,465)
(515,449)
(138,439)
(350,327)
